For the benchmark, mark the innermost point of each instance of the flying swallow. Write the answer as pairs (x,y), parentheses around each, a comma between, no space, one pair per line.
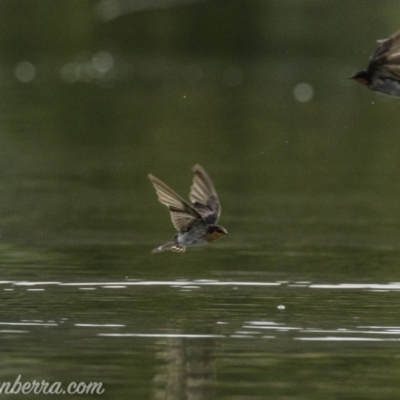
(195,222)
(383,71)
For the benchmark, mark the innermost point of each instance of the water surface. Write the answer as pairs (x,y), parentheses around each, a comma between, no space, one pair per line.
(300,301)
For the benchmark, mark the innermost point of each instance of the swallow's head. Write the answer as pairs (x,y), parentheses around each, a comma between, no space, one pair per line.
(215,232)
(363,78)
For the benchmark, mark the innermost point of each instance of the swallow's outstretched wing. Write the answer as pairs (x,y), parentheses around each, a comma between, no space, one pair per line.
(182,214)
(386,57)
(204,196)
(387,48)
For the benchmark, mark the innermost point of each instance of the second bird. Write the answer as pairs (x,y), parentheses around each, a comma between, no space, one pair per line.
(383,71)
(196,222)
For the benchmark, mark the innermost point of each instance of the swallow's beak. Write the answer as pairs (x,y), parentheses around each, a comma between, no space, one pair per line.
(362,77)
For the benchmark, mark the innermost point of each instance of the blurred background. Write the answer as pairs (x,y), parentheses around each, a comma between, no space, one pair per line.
(96,94)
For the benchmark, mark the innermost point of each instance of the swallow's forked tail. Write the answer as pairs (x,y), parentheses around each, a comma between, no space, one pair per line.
(171,245)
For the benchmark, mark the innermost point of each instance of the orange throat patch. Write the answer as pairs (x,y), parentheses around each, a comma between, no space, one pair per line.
(363,81)
(212,237)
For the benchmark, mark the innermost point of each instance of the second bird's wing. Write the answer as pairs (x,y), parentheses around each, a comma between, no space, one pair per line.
(387,51)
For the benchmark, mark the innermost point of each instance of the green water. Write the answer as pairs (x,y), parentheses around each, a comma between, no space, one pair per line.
(300,301)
